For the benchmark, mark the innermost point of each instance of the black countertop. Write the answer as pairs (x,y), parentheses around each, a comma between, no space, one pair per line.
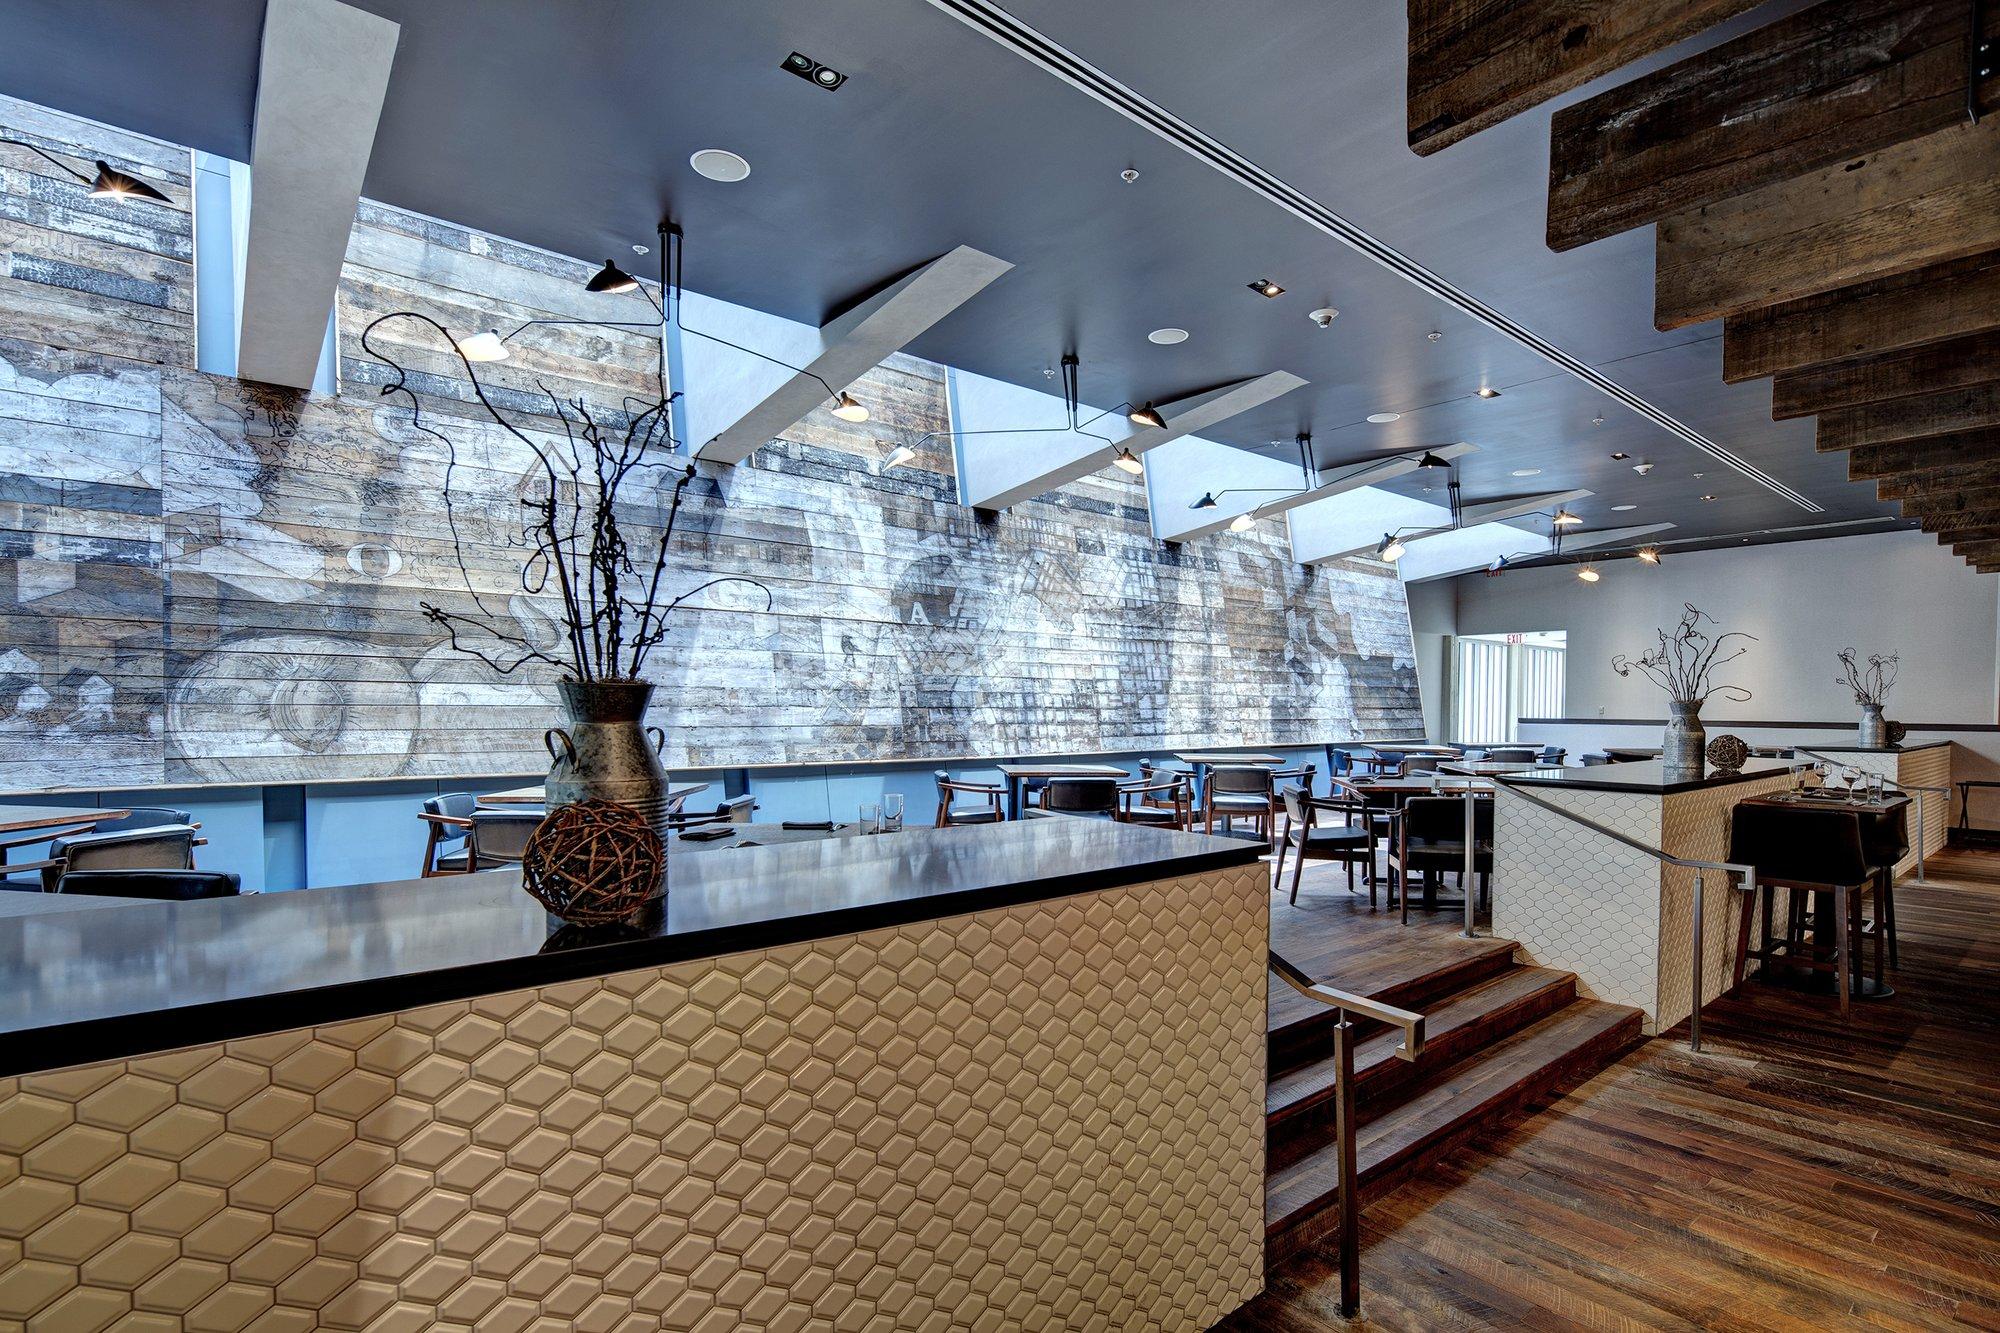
(1646,776)
(1836,748)
(81,986)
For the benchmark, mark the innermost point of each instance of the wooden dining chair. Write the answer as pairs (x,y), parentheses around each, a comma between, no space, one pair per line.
(449,818)
(1082,796)
(1352,841)
(1430,841)
(1167,801)
(1237,791)
(950,815)
(163,848)
(499,838)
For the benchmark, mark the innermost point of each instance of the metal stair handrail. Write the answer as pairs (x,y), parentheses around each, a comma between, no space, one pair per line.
(1346,1004)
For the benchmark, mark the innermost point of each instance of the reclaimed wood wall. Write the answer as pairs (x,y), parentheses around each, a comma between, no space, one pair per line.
(204,580)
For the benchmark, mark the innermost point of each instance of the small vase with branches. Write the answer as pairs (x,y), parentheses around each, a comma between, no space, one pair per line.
(1683,663)
(1870,684)
(596,531)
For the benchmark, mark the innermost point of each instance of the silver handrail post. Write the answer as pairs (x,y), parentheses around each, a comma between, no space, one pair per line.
(1923,833)
(1694,1005)
(1350,1195)
(1471,930)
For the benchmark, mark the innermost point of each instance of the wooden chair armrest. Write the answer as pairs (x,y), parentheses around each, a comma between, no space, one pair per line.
(448,821)
(30,839)
(973,788)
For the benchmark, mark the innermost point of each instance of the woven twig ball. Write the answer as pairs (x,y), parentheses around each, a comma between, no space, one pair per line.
(1894,732)
(1727,753)
(594,862)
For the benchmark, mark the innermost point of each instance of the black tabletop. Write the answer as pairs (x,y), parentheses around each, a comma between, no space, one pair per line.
(92,985)
(1648,776)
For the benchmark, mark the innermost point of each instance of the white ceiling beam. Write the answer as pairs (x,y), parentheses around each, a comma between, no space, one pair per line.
(1189,524)
(853,345)
(1337,541)
(999,479)
(320,83)
(1468,550)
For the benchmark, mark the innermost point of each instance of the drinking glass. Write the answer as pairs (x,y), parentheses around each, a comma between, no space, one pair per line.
(1875,782)
(1852,778)
(892,812)
(871,818)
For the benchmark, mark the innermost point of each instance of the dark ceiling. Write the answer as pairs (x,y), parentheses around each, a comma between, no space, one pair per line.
(568,124)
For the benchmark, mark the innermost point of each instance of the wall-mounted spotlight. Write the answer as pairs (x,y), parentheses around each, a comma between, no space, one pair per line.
(1207,501)
(1146,416)
(611,278)
(813,72)
(1127,461)
(1488,391)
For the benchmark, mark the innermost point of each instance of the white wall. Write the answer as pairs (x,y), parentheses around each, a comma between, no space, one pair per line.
(1433,620)
(1886,592)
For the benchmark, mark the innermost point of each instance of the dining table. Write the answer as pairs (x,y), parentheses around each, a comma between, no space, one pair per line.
(1470,790)
(1016,774)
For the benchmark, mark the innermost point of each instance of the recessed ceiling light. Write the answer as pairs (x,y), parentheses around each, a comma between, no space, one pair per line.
(719,164)
(1597,420)
(812,71)
(1649,554)
(1588,574)
(1621,456)
(1488,391)
(1167,337)
(1384,418)
(1265,287)
(1708,497)
(1525,472)
(1623,509)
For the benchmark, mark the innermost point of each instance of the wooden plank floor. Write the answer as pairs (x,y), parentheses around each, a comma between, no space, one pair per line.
(1335,937)
(1800,1173)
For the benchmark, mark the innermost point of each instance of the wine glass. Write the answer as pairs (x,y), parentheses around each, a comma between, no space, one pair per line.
(1851,776)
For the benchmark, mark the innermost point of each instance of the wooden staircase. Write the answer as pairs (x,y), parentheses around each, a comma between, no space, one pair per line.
(1499,1035)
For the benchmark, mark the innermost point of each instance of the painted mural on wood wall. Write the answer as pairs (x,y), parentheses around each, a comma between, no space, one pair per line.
(209,581)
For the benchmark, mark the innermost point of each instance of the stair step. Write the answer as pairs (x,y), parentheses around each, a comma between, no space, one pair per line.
(1300,1105)
(1558,1050)
(1305,1040)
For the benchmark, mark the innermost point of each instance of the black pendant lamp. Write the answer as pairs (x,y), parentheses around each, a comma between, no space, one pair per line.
(611,278)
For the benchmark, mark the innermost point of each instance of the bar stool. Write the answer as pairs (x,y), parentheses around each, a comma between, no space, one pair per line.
(1807,851)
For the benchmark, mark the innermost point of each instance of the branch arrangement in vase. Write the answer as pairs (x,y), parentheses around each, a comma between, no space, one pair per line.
(613,610)
(1871,683)
(1684,660)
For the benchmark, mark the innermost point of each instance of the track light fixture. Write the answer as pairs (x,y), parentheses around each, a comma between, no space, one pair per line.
(1127,461)
(1146,416)
(611,278)
(108,183)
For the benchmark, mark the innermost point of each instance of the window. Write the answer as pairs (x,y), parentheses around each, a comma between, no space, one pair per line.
(1498,679)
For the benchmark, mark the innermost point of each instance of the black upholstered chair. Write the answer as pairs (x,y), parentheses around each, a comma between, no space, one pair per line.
(139,817)
(1430,841)
(499,838)
(1161,798)
(1513,754)
(949,789)
(449,817)
(1820,852)
(1081,796)
(165,885)
(1352,840)
(166,847)
(1237,791)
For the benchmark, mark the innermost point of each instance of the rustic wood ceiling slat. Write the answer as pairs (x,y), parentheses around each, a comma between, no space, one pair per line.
(1922,485)
(1926,201)
(1840,79)
(1927,305)
(1908,373)
(1872,462)
(1944,413)
(1474,63)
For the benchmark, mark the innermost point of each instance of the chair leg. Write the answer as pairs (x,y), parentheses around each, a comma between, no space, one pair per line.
(1284,845)
(1841,945)
(1298,872)
(1888,895)
(1746,917)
